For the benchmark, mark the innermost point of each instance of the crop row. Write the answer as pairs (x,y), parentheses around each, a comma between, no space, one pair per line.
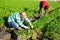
(40,23)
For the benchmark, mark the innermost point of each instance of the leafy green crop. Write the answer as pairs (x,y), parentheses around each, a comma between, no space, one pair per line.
(31,7)
(53,28)
(51,19)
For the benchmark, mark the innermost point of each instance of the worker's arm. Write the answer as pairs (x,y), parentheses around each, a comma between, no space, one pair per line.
(20,22)
(28,22)
(41,11)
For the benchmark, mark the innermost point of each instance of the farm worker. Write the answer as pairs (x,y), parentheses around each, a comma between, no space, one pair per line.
(17,19)
(44,5)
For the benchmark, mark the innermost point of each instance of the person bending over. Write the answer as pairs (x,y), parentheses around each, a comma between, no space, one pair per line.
(17,19)
(44,6)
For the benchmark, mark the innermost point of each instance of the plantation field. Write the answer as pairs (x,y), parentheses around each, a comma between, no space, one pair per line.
(50,23)
(31,7)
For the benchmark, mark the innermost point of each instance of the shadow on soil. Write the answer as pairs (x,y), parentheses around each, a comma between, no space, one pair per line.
(13,34)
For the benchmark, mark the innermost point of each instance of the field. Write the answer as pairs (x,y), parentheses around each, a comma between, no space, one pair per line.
(50,24)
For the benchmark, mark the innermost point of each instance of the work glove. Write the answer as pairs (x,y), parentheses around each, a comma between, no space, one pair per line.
(32,26)
(26,27)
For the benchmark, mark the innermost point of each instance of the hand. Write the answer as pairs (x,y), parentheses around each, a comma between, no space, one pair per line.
(45,14)
(26,27)
(31,26)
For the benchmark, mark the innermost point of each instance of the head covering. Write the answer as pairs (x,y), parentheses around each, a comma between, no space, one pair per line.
(42,0)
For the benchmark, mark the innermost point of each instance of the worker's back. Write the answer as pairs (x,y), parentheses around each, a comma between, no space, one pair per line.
(42,0)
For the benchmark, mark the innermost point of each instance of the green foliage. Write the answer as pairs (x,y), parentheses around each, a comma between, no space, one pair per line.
(31,7)
(53,27)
